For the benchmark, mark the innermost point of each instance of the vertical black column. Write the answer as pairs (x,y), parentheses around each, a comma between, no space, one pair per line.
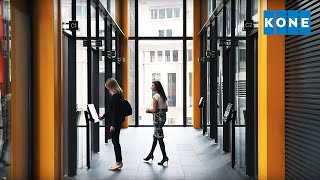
(89,54)
(251,90)
(136,69)
(71,104)
(184,68)
(203,81)
(108,72)
(213,83)
(225,85)
(95,84)
(232,72)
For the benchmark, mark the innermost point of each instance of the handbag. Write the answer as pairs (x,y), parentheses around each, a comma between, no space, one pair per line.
(127,109)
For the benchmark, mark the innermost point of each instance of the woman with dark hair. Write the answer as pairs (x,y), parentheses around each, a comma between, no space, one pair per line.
(158,110)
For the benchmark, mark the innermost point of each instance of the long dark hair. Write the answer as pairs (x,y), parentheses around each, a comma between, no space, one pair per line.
(160,90)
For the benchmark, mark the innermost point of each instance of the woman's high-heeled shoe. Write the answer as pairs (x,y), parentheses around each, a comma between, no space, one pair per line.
(150,156)
(163,161)
(115,167)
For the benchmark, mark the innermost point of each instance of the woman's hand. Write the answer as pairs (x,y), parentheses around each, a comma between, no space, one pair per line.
(101,117)
(147,111)
(112,128)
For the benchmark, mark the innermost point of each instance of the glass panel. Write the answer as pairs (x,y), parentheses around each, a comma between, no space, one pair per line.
(168,72)
(82,83)
(169,12)
(209,7)
(175,55)
(177,12)
(159,56)
(81,17)
(240,17)
(160,15)
(112,8)
(190,18)
(169,32)
(240,105)
(132,85)
(220,83)
(5,82)
(161,33)
(102,90)
(132,17)
(167,55)
(93,22)
(189,83)
(228,9)
(254,8)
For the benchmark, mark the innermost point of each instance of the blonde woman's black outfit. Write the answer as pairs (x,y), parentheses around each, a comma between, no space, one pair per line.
(116,118)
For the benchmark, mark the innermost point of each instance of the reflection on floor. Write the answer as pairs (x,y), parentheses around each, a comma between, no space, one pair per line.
(191,156)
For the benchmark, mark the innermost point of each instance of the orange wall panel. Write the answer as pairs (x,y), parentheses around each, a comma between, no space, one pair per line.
(47,95)
(271,149)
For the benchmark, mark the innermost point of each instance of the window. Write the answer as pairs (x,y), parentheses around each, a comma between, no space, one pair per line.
(169,12)
(190,90)
(154,13)
(156,77)
(189,54)
(161,33)
(171,120)
(177,12)
(172,89)
(189,120)
(169,32)
(81,11)
(162,13)
(152,56)
(159,53)
(167,55)
(175,55)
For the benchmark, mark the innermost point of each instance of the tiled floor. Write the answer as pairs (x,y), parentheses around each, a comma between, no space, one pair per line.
(191,156)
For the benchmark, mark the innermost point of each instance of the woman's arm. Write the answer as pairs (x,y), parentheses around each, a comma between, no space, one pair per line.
(154,107)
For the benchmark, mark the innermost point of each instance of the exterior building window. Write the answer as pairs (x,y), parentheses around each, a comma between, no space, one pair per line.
(156,77)
(167,55)
(190,90)
(169,12)
(171,120)
(189,54)
(172,97)
(189,120)
(177,12)
(169,32)
(152,56)
(154,13)
(175,55)
(162,13)
(161,33)
(159,54)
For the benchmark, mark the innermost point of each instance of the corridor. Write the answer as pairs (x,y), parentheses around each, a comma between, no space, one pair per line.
(191,156)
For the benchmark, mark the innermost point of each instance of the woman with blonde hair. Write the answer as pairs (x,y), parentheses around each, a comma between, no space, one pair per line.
(116,117)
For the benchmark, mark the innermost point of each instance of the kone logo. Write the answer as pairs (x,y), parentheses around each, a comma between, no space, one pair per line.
(291,22)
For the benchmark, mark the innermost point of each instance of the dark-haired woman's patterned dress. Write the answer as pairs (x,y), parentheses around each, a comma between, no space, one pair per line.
(159,119)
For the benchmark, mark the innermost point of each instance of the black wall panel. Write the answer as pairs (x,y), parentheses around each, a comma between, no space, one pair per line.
(302,97)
